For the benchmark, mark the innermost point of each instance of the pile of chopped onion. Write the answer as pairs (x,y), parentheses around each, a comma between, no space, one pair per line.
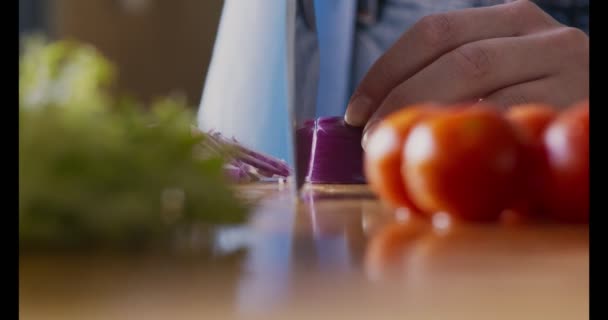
(243,164)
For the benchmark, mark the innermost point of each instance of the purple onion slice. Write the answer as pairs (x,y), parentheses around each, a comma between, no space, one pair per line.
(329,152)
(236,174)
(264,163)
(243,164)
(335,156)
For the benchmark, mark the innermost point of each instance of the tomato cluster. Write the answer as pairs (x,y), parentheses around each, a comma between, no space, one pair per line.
(478,163)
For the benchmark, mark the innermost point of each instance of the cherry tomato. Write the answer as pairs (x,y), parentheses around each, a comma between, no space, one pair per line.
(383,154)
(519,214)
(465,163)
(531,120)
(566,142)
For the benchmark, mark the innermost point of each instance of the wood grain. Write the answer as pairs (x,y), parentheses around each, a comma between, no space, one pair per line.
(314,259)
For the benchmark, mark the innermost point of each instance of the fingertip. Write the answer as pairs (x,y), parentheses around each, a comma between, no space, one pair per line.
(367,132)
(358,111)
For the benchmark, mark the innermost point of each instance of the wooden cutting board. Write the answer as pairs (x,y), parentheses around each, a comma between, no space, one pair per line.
(312,260)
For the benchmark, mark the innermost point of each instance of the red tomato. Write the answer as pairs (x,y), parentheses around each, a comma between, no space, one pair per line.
(520,214)
(383,154)
(531,120)
(566,142)
(465,163)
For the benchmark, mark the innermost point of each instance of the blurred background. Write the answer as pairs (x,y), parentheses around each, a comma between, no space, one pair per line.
(160,47)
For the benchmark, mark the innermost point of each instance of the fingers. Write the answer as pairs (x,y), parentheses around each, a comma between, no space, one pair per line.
(553,91)
(480,68)
(434,36)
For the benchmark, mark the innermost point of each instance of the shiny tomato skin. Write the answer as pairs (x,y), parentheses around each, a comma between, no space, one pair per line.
(382,162)
(531,121)
(466,163)
(566,142)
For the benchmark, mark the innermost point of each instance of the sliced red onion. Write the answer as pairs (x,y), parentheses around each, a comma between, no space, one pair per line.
(243,164)
(329,152)
(265,163)
(335,156)
(236,174)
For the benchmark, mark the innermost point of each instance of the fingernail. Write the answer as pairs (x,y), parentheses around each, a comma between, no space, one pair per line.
(367,132)
(358,111)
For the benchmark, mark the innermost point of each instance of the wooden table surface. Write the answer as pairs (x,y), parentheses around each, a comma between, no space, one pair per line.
(338,255)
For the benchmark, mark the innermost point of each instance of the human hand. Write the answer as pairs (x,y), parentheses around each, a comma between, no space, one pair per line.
(505,54)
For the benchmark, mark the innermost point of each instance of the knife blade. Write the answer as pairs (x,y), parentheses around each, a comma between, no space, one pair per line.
(302,77)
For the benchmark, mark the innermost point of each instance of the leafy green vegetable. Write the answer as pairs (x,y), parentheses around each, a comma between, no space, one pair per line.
(97,171)
(63,73)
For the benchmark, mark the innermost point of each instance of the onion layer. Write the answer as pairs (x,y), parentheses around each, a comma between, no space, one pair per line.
(332,151)
(242,164)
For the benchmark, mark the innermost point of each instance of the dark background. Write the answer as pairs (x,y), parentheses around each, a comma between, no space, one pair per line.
(160,46)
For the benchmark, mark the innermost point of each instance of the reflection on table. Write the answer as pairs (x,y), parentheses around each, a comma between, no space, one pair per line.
(337,253)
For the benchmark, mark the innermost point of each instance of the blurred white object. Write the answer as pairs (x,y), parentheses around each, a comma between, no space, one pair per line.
(245,94)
